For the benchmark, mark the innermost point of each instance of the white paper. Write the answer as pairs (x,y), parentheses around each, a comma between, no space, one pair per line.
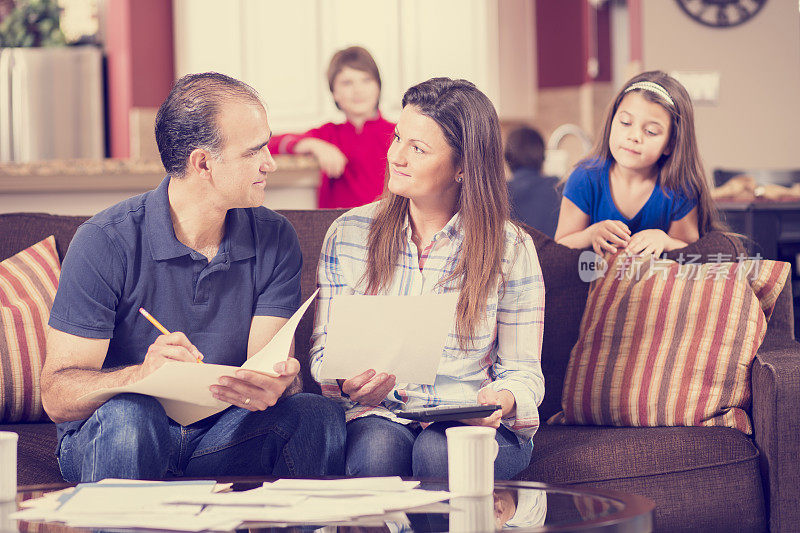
(409,500)
(277,349)
(177,522)
(146,505)
(109,500)
(98,498)
(49,500)
(325,511)
(258,497)
(356,485)
(400,335)
(183,388)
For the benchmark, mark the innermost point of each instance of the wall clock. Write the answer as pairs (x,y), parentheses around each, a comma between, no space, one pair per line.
(721,13)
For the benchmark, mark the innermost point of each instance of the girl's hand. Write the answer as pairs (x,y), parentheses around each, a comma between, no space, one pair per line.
(331,160)
(487,396)
(648,241)
(608,235)
(368,388)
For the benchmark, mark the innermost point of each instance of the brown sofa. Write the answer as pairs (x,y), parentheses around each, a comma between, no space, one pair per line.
(702,479)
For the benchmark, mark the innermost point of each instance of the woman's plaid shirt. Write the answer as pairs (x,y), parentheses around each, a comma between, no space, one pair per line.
(507,345)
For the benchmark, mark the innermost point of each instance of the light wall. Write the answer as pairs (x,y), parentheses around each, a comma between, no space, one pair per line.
(283,49)
(755,124)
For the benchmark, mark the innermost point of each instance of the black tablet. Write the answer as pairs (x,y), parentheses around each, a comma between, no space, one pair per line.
(448,412)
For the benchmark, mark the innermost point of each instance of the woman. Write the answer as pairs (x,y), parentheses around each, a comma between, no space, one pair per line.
(442,227)
(351,155)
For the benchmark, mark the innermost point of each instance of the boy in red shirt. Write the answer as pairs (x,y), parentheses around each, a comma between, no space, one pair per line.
(352,155)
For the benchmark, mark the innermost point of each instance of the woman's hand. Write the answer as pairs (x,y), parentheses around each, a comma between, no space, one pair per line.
(489,396)
(331,160)
(648,241)
(608,235)
(368,388)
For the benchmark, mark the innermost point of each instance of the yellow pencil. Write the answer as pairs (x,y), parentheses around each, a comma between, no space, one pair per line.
(157,324)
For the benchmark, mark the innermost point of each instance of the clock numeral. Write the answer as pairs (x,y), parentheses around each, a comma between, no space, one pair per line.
(722,17)
(721,13)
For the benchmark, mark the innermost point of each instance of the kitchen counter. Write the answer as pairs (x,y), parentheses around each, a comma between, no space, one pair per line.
(124,174)
(87,186)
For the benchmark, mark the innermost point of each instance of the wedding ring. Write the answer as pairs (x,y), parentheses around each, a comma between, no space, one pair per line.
(247,401)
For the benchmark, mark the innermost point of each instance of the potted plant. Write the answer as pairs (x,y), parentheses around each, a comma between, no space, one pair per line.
(32,23)
(51,94)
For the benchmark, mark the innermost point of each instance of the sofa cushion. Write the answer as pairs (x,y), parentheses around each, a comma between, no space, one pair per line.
(28,282)
(565,300)
(701,479)
(21,230)
(669,344)
(311,227)
(36,457)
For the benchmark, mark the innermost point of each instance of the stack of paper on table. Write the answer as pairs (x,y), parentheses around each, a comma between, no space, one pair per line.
(183,388)
(195,506)
(125,503)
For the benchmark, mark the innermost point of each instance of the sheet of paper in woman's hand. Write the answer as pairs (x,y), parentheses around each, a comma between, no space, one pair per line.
(400,335)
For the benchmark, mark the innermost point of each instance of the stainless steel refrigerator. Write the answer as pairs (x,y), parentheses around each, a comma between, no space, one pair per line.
(51,103)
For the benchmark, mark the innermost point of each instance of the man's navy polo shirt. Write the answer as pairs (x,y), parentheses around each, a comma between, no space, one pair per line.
(128,257)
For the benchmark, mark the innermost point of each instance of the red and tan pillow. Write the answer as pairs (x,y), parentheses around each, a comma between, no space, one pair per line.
(664,344)
(28,283)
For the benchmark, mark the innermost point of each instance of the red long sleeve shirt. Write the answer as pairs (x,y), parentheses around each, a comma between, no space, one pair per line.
(364,175)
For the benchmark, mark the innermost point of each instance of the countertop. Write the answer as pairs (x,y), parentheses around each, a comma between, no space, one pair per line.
(106,175)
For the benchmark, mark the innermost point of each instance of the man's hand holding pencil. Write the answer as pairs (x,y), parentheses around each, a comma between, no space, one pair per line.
(167,347)
(251,390)
(172,347)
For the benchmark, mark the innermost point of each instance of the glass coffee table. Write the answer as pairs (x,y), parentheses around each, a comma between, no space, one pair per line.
(514,506)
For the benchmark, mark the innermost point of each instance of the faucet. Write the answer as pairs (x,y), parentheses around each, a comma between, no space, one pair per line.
(556,160)
(569,129)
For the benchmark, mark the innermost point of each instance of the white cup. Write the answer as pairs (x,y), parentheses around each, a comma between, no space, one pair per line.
(471,451)
(8,525)
(8,466)
(472,514)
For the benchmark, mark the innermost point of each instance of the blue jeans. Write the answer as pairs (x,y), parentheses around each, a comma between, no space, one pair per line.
(377,446)
(131,437)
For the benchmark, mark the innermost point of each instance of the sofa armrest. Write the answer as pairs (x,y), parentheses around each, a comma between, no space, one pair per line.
(776,424)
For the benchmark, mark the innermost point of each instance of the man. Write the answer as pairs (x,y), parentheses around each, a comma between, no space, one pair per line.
(535,199)
(220,271)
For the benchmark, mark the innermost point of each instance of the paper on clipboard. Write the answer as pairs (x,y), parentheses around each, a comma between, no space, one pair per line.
(400,335)
(183,388)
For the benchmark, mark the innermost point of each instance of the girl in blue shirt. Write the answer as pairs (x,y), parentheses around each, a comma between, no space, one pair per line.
(644,188)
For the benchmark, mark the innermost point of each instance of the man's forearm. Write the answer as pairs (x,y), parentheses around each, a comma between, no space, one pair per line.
(62,389)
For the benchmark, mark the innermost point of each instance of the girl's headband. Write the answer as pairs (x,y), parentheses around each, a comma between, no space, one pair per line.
(653,88)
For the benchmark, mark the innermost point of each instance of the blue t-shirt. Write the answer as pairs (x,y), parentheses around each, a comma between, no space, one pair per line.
(127,257)
(589,189)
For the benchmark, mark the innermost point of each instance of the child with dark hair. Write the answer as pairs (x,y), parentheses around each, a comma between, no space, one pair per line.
(534,198)
(352,154)
(643,189)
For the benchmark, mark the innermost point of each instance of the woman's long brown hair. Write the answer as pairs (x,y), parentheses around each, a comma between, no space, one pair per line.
(681,170)
(470,125)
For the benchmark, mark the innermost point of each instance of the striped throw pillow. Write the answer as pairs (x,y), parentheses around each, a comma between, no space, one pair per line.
(668,344)
(28,283)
